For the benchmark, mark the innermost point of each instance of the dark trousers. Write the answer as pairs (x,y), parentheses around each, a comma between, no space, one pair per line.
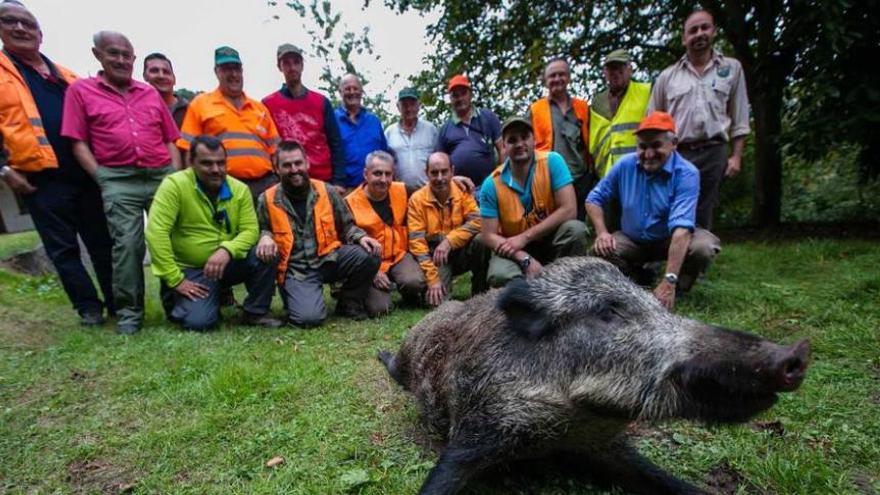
(710,159)
(304,296)
(61,210)
(582,186)
(204,314)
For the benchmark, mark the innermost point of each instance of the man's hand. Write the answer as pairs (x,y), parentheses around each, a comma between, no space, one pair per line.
(435,294)
(381,281)
(371,245)
(534,269)
(441,253)
(665,293)
(267,250)
(216,264)
(191,290)
(605,244)
(18,182)
(734,163)
(464,183)
(512,245)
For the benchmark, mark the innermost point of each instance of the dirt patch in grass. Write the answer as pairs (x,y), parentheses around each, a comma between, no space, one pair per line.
(724,479)
(774,428)
(24,333)
(100,476)
(34,263)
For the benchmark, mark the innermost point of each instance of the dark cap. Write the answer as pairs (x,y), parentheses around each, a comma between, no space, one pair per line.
(516,121)
(226,55)
(408,93)
(619,55)
(288,48)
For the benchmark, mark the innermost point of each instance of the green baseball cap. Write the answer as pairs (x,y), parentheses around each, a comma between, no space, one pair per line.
(226,55)
(619,55)
(515,121)
(408,93)
(288,48)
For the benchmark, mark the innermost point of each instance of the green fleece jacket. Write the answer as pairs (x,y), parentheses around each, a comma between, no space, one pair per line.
(185,227)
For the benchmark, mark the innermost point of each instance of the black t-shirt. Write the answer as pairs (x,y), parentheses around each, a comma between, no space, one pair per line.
(383,209)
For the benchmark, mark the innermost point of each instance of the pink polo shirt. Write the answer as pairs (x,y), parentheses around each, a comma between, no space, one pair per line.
(120,129)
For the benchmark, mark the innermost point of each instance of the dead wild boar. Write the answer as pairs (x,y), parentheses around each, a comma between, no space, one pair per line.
(561,364)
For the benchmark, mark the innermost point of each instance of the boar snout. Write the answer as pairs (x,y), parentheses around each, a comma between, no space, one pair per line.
(791,366)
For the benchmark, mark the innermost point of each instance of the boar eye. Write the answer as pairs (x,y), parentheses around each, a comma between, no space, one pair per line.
(610,312)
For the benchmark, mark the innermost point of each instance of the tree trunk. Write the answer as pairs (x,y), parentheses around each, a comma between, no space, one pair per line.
(767,107)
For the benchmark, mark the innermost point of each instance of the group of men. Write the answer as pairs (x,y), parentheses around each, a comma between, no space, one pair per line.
(290,194)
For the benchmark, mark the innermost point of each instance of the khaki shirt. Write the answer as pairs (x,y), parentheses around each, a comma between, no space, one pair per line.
(712,105)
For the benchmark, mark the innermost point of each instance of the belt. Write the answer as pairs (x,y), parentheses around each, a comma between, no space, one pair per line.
(698,145)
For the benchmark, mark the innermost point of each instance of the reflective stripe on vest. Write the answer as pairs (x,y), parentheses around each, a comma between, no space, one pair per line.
(512,218)
(611,139)
(282,232)
(394,238)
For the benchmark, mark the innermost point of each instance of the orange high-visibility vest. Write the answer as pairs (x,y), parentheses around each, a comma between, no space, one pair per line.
(542,123)
(20,122)
(282,232)
(393,238)
(512,217)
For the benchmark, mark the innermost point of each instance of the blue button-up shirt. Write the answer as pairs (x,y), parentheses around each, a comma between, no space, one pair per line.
(359,140)
(654,204)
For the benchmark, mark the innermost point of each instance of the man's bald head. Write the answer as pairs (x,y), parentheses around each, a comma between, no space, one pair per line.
(116,55)
(21,35)
(351,92)
(103,38)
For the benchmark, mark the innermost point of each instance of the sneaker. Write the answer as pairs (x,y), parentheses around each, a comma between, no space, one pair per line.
(264,321)
(350,308)
(91,319)
(128,328)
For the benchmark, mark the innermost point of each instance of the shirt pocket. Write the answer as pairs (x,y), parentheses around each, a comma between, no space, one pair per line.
(721,94)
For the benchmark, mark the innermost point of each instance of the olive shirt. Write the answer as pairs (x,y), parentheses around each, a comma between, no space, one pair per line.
(567,138)
(304,253)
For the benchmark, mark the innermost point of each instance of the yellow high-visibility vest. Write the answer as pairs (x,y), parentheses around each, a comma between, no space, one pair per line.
(611,139)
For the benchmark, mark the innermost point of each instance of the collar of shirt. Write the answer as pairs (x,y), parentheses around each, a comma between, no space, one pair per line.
(132,86)
(454,192)
(53,72)
(343,113)
(717,59)
(217,98)
(475,114)
(225,193)
(286,92)
(507,176)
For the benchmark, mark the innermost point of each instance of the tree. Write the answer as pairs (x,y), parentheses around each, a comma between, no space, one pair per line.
(502,45)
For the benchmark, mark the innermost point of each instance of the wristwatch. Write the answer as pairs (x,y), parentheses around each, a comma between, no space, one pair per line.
(671,278)
(4,171)
(525,262)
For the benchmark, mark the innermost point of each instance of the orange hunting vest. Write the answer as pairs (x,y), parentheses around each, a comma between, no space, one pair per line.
(393,238)
(282,233)
(512,217)
(542,122)
(20,122)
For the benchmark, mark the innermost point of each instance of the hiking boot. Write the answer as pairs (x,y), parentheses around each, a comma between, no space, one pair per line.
(350,308)
(264,321)
(91,319)
(128,328)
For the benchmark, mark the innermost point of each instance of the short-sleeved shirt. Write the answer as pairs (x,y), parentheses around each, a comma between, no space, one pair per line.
(711,105)
(360,139)
(560,177)
(412,151)
(653,204)
(120,129)
(471,146)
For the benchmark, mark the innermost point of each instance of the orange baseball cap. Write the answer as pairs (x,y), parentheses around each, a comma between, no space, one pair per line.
(458,80)
(657,121)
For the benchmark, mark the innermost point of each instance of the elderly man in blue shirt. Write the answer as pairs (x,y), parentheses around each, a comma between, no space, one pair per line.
(658,191)
(360,129)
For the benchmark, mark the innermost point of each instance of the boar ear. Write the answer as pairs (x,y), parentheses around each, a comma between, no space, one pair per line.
(524,316)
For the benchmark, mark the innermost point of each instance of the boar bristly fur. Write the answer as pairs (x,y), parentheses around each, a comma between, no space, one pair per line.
(563,362)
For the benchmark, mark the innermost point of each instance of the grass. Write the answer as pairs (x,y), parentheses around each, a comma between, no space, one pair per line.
(87,411)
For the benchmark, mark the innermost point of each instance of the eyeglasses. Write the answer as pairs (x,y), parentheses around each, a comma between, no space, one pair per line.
(11,22)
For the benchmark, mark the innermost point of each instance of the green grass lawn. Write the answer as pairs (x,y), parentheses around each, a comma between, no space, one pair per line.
(88,411)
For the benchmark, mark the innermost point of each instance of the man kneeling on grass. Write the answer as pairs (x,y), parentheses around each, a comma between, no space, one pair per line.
(201,235)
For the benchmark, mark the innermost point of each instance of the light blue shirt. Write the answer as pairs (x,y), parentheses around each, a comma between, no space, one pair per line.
(560,177)
(654,204)
(412,151)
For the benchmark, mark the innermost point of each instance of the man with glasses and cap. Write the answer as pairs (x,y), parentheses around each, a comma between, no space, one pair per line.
(307,117)
(244,125)
(411,139)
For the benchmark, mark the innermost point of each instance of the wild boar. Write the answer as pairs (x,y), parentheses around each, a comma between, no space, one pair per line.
(562,363)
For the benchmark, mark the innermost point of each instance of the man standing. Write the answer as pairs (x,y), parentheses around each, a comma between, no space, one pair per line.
(443,223)
(361,130)
(123,136)
(616,112)
(307,117)
(62,199)
(527,207)
(472,136)
(159,73)
(412,140)
(705,92)
(201,236)
(658,191)
(307,225)
(243,124)
(562,124)
(379,207)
